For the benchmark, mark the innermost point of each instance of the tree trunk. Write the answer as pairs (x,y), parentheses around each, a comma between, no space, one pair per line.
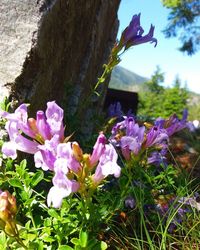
(54,49)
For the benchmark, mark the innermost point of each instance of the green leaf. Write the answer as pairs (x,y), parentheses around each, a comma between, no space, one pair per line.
(36,245)
(23,164)
(104,246)
(65,248)
(83,236)
(97,245)
(16,183)
(20,170)
(92,243)
(95,92)
(31,237)
(53,213)
(3,244)
(24,195)
(75,241)
(37,177)
(9,165)
(48,239)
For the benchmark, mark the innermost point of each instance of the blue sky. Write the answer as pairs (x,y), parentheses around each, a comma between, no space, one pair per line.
(144,58)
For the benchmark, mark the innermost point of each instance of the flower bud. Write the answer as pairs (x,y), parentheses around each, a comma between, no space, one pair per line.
(77,151)
(13,205)
(98,149)
(32,124)
(86,160)
(8,210)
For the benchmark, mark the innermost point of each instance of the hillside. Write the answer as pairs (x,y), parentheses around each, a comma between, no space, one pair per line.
(124,79)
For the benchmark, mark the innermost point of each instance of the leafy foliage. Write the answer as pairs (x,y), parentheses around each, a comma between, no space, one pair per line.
(175,99)
(104,221)
(183,22)
(157,101)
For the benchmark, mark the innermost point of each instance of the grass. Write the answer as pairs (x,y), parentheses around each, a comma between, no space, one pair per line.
(176,228)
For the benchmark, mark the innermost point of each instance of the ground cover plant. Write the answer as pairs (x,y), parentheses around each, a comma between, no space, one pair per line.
(124,191)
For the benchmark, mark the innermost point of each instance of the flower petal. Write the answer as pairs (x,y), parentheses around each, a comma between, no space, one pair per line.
(9,150)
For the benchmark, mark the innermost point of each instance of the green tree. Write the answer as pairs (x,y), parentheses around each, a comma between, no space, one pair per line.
(184,20)
(174,99)
(194,112)
(151,95)
(157,101)
(194,106)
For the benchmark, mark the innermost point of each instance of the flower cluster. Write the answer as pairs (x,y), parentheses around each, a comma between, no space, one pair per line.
(173,124)
(27,134)
(134,139)
(133,35)
(75,171)
(44,137)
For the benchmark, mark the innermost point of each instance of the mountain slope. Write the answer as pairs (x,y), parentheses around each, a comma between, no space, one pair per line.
(124,79)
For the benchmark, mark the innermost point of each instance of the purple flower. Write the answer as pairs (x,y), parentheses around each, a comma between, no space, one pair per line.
(20,114)
(46,155)
(128,136)
(54,116)
(59,158)
(65,152)
(118,130)
(158,157)
(20,119)
(155,136)
(57,194)
(129,202)
(62,186)
(128,127)
(107,165)
(173,124)
(9,149)
(130,144)
(22,130)
(44,137)
(17,142)
(115,110)
(98,149)
(132,35)
(191,201)
(42,126)
(41,162)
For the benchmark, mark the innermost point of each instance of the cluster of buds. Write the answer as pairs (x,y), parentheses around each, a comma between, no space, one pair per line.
(8,210)
(44,137)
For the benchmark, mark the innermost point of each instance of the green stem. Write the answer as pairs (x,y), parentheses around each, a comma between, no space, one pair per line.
(84,210)
(128,174)
(107,71)
(101,80)
(32,220)
(17,238)
(20,242)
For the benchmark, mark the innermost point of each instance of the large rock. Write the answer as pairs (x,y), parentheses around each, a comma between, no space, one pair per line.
(54,49)
(18,23)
